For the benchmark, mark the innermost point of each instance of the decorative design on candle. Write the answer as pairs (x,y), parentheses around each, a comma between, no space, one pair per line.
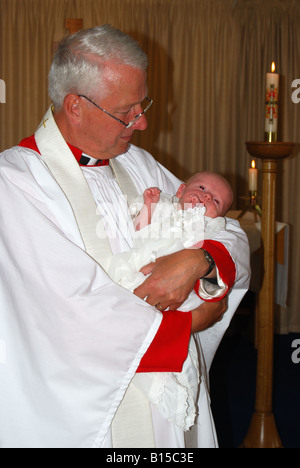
(271,107)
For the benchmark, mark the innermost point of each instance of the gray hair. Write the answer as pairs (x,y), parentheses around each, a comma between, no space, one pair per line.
(76,67)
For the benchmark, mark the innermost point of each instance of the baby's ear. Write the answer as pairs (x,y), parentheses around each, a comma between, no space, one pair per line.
(180,191)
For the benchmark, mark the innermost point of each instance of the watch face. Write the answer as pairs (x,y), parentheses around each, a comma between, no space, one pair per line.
(208,257)
(210,261)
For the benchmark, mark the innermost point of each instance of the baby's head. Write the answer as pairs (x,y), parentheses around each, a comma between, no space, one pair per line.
(206,188)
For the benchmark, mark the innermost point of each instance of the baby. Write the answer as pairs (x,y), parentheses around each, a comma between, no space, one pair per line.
(165,224)
(204,188)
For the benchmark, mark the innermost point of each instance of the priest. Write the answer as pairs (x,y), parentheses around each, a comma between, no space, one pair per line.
(73,341)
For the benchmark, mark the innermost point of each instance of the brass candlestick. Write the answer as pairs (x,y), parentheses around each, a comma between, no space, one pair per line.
(252,205)
(263,432)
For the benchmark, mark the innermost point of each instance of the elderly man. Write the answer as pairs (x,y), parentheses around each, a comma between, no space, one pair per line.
(73,341)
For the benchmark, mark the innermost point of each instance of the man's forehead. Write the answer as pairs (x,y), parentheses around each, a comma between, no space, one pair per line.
(127,81)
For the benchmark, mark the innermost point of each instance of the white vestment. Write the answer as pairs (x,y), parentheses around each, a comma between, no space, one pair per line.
(70,339)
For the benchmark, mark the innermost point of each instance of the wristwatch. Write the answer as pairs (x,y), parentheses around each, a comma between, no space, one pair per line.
(210,260)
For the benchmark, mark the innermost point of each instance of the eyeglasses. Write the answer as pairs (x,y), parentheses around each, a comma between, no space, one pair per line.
(127,125)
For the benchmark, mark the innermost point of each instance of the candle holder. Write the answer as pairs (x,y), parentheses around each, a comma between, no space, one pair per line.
(262,431)
(271,137)
(252,206)
(253,199)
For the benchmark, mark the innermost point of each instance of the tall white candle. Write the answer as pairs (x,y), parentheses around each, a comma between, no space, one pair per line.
(271,107)
(253,178)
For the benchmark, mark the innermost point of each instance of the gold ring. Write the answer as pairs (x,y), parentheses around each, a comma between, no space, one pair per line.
(159,307)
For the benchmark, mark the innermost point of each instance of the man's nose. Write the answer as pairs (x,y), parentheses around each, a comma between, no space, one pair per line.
(141,123)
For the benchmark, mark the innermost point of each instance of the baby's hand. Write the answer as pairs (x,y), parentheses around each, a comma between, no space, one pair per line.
(151,195)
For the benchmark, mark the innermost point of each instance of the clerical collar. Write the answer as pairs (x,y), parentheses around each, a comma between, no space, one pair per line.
(85,160)
(88,161)
(81,158)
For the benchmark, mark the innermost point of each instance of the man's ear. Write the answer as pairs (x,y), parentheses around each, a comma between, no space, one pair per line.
(180,191)
(72,107)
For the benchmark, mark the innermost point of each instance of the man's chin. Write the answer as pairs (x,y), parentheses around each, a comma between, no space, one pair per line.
(123,147)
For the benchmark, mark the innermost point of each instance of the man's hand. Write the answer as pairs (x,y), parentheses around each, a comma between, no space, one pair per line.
(172,278)
(207,314)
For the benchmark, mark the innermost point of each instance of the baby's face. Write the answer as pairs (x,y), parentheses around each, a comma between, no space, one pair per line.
(208,189)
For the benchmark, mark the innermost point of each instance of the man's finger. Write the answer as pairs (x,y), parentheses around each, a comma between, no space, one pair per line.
(147,269)
(141,291)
